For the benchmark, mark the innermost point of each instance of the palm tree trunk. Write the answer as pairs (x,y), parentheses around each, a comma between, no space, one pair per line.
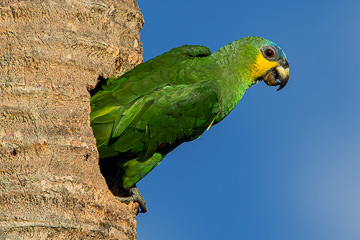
(50,52)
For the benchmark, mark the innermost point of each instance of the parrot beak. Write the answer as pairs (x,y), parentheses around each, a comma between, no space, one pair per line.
(280,72)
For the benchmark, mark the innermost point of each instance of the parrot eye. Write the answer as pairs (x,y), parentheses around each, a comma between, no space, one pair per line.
(270,52)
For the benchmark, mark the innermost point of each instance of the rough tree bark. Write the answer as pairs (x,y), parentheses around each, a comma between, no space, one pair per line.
(50,52)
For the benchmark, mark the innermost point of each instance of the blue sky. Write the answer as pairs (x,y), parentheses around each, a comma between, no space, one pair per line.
(283,165)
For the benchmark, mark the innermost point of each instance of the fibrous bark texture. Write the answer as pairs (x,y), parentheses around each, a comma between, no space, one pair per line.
(51,51)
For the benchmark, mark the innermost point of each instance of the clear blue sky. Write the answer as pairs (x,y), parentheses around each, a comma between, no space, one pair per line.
(283,165)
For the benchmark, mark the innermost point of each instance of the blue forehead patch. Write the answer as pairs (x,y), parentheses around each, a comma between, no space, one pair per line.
(281,52)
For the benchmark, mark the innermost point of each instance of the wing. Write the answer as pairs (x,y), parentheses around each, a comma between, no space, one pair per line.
(141,116)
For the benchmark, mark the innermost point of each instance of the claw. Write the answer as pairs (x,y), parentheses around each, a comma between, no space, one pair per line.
(135,196)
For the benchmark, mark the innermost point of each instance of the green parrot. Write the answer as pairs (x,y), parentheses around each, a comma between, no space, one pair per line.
(147,112)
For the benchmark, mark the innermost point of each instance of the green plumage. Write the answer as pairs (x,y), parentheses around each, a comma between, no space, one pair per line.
(144,114)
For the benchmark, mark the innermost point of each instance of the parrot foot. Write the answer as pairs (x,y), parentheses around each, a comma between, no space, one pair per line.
(135,196)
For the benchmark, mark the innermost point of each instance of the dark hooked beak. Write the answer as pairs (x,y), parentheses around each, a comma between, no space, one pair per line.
(280,72)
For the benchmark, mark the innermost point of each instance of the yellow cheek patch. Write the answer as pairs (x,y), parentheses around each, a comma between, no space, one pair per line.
(261,66)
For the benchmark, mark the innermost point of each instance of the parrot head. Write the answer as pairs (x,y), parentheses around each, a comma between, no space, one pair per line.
(270,64)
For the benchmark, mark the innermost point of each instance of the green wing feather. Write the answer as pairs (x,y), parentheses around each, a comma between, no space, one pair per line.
(147,112)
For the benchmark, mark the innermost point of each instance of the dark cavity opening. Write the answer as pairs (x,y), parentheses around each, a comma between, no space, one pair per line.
(100,83)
